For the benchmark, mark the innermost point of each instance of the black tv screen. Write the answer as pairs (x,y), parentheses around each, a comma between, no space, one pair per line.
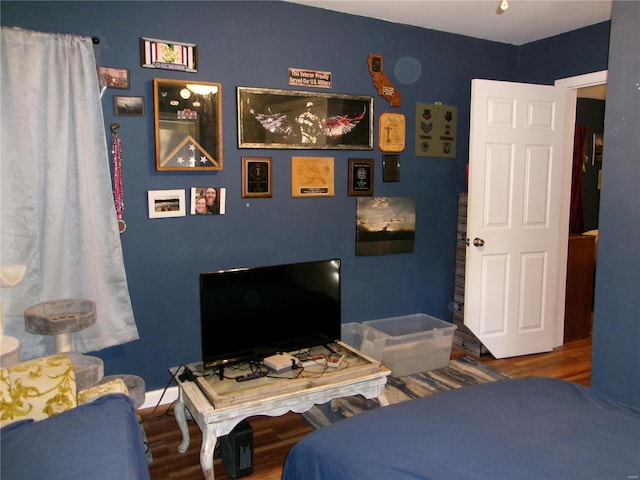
(251,313)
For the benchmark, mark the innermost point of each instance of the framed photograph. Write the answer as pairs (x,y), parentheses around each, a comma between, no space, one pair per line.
(168,55)
(133,106)
(187,125)
(391,168)
(598,147)
(360,176)
(208,200)
(166,203)
(270,118)
(111,77)
(256,177)
(312,177)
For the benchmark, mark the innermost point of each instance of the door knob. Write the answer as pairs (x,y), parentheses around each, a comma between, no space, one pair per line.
(478,242)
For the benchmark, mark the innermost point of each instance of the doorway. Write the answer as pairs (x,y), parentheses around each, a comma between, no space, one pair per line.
(590,115)
(589,86)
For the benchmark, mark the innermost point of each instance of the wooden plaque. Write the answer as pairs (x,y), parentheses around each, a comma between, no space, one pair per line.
(392,132)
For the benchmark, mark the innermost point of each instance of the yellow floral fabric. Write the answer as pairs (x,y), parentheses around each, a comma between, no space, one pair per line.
(37,389)
(114,386)
(5,392)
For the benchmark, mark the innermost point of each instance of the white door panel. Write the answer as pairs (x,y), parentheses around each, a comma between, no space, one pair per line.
(518,176)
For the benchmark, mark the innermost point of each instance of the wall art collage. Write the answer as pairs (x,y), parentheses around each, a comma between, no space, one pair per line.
(187,120)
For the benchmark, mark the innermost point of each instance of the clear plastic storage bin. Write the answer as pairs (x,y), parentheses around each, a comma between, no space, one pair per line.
(366,339)
(414,343)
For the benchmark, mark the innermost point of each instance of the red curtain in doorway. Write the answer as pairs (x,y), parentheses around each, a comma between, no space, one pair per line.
(576,223)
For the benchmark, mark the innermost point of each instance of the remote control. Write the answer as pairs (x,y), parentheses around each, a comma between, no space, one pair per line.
(250,376)
(335,360)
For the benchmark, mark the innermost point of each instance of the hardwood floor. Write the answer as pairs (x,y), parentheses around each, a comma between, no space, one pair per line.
(272,439)
(571,362)
(274,436)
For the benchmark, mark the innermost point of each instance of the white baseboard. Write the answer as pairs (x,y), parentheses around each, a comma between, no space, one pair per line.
(152,398)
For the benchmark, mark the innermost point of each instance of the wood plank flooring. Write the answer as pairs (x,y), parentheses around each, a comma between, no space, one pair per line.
(273,437)
(571,362)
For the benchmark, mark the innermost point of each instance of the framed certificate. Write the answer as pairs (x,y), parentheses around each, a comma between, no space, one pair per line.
(392,132)
(256,177)
(360,176)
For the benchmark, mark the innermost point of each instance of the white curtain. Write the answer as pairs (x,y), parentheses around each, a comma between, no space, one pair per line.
(57,211)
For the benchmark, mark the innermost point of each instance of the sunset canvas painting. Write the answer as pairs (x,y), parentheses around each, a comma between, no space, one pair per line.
(385,225)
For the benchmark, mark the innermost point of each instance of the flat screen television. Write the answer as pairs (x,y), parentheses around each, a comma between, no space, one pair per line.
(251,313)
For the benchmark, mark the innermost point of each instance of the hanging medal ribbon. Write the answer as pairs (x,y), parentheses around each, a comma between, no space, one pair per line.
(116,153)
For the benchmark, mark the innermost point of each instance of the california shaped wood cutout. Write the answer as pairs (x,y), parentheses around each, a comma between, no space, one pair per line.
(383,84)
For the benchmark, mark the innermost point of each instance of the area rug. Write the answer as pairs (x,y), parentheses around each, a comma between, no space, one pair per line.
(459,373)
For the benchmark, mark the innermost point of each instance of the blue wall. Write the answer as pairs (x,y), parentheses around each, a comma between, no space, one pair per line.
(565,55)
(253,44)
(616,330)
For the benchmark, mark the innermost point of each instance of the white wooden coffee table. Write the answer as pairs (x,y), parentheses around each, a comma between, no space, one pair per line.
(217,406)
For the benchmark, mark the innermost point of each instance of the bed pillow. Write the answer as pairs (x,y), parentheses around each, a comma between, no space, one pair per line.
(37,389)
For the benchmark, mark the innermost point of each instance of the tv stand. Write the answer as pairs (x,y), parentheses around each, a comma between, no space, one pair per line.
(218,406)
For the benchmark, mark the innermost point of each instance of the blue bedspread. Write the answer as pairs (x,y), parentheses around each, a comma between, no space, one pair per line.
(100,440)
(521,429)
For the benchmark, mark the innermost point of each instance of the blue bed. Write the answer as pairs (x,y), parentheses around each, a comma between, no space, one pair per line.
(520,429)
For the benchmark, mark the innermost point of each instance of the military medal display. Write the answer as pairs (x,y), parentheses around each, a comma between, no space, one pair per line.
(436,130)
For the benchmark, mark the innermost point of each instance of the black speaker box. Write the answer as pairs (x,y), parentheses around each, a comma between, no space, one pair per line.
(236,450)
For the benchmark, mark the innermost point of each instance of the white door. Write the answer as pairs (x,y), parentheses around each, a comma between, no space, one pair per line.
(518,215)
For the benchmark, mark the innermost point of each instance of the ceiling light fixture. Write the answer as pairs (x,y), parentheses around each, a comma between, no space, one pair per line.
(504,4)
